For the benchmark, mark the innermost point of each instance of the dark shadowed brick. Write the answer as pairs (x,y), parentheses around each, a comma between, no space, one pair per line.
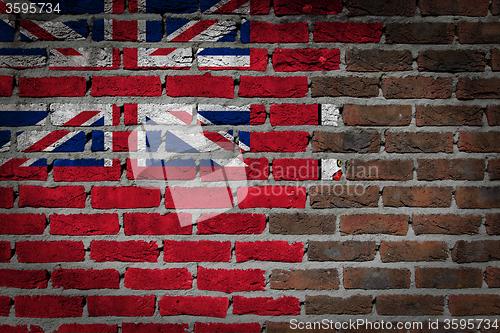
(297,224)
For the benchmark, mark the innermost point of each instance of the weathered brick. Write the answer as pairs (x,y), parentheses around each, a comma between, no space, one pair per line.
(200,327)
(157,224)
(495,60)
(379,170)
(45,252)
(347,32)
(476,251)
(479,142)
(374,224)
(478,32)
(295,169)
(456,169)
(124,197)
(409,305)
(126,86)
(343,196)
(345,86)
(451,224)
(198,251)
(341,251)
(448,115)
(22,224)
(294,114)
(416,196)
(86,279)
(413,251)
(451,61)
(198,197)
(323,304)
(128,251)
(301,224)
(24,279)
(6,85)
(378,60)
(454,7)
(6,197)
(271,197)
(273,86)
(56,197)
(477,197)
(493,115)
(87,328)
(263,32)
(478,88)
(200,85)
(420,33)
(294,60)
(448,278)
(230,280)
(278,142)
(269,251)
(492,277)
(416,87)
(48,306)
(492,224)
(194,305)
(389,8)
(420,142)
(152,279)
(495,7)
(473,305)
(266,306)
(318,279)
(295,7)
(376,278)
(84,224)
(346,142)
(121,306)
(5,304)
(63,86)
(5,251)
(376,115)
(231,224)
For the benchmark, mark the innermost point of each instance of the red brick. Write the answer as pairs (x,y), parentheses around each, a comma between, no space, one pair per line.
(345,86)
(5,251)
(324,304)
(379,170)
(63,86)
(194,306)
(378,60)
(121,306)
(381,8)
(343,196)
(495,7)
(231,224)
(347,32)
(376,278)
(151,279)
(420,142)
(479,142)
(11,170)
(413,251)
(301,224)
(495,60)
(478,88)
(271,197)
(266,306)
(273,86)
(420,33)
(477,197)
(493,115)
(451,224)
(409,305)
(200,86)
(346,142)
(48,306)
(88,174)
(197,251)
(492,224)
(456,169)
(230,280)
(448,278)
(451,61)
(87,328)
(448,115)
(454,7)
(269,251)
(86,279)
(295,60)
(474,305)
(6,85)
(21,329)
(319,279)
(129,251)
(374,224)
(492,277)
(478,32)
(295,169)
(110,197)
(5,303)
(56,251)
(263,32)
(126,86)
(157,328)
(56,197)
(84,224)
(258,168)
(24,279)
(6,197)
(294,114)
(22,224)
(279,142)
(416,87)
(296,7)
(341,251)
(198,197)
(157,224)
(227,328)
(376,115)
(476,251)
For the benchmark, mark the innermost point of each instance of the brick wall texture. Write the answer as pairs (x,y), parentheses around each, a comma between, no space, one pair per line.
(363,180)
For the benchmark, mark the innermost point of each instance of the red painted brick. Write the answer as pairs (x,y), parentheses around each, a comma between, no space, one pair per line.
(492,224)
(124,197)
(474,305)
(269,251)
(279,142)
(86,279)
(227,328)
(6,197)
(126,86)
(413,251)
(63,86)
(57,197)
(130,251)
(87,328)
(24,279)
(198,251)
(157,224)
(271,197)
(273,86)
(5,306)
(194,306)
(198,197)
(200,86)
(294,114)
(5,251)
(412,305)
(21,329)
(295,169)
(22,224)
(157,328)
(12,171)
(258,168)
(230,280)
(347,32)
(296,7)
(48,306)
(6,84)
(266,306)
(84,224)
(121,306)
(479,142)
(88,174)
(454,7)
(231,224)
(56,251)
(374,224)
(295,60)
(263,32)
(151,279)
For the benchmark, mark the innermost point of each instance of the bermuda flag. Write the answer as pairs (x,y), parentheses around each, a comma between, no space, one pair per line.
(212,114)
(22,58)
(14,115)
(90,6)
(184,30)
(84,114)
(158,114)
(163,6)
(155,58)
(147,168)
(227,58)
(86,170)
(206,142)
(251,7)
(4,141)
(50,30)
(223,169)
(7,30)
(331,169)
(84,59)
(23,169)
(127,31)
(47,141)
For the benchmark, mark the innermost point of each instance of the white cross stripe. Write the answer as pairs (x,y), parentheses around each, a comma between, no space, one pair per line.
(108,29)
(29,162)
(215,32)
(141,6)
(60,141)
(141,30)
(181,30)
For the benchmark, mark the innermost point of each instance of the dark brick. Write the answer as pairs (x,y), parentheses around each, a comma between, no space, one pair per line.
(409,305)
(456,169)
(416,196)
(448,115)
(379,170)
(344,86)
(474,305)
(477,196)
(416,87)
(413,251)
(342,196)
(374,224)
(479,142)
(421,142)
(376,278)
(284,327)
(450,224)
(420,33)
(493,224)
(495,60)
(454,7)
(346,142)
(448,278)
(495,7)
(378,60)
(318,279)
(492,277)
(323,304)
(381,8)
(341,251)
(476,251)
(493,115)
(376,115)
(451,61)
(301,224)
(478,88)
(478,32)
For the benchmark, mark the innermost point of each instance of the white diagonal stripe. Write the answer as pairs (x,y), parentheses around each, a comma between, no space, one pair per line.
(182,29)
(215,32)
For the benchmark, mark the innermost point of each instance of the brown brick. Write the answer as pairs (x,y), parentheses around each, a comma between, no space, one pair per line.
(301,224)
(474,305)
(419,33)
(494,169)
(284,327)
(478,32)
(379,170)
(493,224)
(454,7)
(450,224)
(416,87)
(319,279)
(413,251)
(493,115)
(374,224)
(477,197)
(456,169)
(381,8)
(343,196)
(479,142)
(346,142)
(492,277)
(412,305)
(376,115)
(378,60)
(495,60)
(495,7)
(476,251)
(324,304)
(341,251)
(422,142)
(371,329)
(448,115)
(376,278)
(478,88)
(416,196)
(448,278)
(451,61)
(345,86)
(441,328)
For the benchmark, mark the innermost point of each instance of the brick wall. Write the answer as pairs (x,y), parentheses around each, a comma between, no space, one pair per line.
(403,96)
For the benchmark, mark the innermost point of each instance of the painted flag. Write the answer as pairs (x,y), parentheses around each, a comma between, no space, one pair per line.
(84,114)
(184,30)
(227,58)
(127,31)
(84,59)
(47,141)
(23,168)
(206,142)
(177,169)
(14,115)
(155,58)
(246,7)
(86,170)
(329,114)
(137,141)
(223,169)
(244,141)
(101,141)
(163,6)
(4,141)
(212,114)
(22,58)
(90,6)
(331,169)
(7,30)
(158,114)
(51,30)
